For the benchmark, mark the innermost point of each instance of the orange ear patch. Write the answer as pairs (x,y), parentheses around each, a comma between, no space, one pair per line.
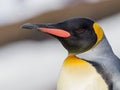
(98,31)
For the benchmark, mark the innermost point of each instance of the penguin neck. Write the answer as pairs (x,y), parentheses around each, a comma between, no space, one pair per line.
(102,49)
(79,74)
(95,69)
(105,62)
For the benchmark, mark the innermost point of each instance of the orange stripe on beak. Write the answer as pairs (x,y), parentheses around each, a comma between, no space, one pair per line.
(56,32)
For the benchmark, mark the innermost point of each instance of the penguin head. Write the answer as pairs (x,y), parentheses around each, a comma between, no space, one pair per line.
(77,35)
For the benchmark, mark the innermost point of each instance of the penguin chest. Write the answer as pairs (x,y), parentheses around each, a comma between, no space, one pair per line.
(77,74)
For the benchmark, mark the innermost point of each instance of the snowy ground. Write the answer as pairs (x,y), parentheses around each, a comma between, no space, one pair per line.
(33,65)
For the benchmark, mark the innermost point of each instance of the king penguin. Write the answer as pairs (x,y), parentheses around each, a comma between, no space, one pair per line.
(91,63)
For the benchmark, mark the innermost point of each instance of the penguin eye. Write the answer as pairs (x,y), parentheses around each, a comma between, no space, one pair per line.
(80,30)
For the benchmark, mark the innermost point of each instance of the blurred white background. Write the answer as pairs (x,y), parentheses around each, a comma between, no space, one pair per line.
(15,10)
(35,65)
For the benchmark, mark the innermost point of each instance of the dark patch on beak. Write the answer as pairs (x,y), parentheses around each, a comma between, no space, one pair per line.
(29,26)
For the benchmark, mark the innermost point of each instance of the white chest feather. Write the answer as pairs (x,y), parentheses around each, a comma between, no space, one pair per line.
(77,74)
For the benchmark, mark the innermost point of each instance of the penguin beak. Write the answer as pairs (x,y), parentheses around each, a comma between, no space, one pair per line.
(47,29)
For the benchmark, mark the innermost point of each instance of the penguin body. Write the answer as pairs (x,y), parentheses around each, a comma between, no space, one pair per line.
(106,63)
(103,65)
(78,74)
(91,63)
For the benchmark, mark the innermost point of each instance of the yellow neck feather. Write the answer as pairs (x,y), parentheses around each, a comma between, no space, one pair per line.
(99,32)
(78,74)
